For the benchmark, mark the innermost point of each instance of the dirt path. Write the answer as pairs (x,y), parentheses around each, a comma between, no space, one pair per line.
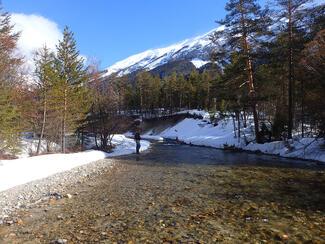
(147,201)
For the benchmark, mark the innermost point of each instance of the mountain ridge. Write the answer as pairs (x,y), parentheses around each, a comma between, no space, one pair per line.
(195,50)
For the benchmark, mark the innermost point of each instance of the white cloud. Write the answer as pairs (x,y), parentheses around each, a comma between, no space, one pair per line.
(36,31)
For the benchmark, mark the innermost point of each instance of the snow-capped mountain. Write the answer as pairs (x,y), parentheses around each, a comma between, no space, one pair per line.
(196,50)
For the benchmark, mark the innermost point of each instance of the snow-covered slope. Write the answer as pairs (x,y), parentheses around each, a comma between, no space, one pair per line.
(200,132)
(196,50)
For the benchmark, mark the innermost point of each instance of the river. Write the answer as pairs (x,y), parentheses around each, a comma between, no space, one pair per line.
(185,194)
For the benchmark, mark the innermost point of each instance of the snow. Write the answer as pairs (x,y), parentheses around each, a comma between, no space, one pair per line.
(150,136)
(200,132)
(202,113)
(198,63)
(126,145)
(305,148)
(24,170)
(29,147)
(147,136)
(153,58)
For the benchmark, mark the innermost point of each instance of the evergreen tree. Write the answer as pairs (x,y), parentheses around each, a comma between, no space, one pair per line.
(289,11)
(194,80)
(181,90)
(10,116)
(46,77)
(71,92)
(143,80)
(244,24)
(312,71)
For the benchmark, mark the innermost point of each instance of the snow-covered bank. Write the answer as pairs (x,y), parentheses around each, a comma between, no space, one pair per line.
(28,147)
(201,133)
(304,148)
(24,170)
(196,112)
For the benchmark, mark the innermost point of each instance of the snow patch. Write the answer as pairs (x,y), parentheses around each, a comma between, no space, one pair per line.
(20,171)
(196,112)
(198,63)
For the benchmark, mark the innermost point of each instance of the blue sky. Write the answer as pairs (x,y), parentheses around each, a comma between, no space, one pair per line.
(111,30)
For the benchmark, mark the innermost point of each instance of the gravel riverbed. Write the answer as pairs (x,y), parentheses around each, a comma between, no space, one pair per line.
(182,194)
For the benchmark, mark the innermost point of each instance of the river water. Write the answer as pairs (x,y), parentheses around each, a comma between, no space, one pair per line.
(238,195)
(172,153)
(184,194)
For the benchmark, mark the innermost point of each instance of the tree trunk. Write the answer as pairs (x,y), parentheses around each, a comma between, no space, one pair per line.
(141,102)
(244,118)
(249,67)
(110,140)
(302,109)
(96,143)
(63,139)
(171,103)
(208,98)
(238,124)
(234,124)
(252,93)
(82,140)
(290,85)
(43,126)
(180,101)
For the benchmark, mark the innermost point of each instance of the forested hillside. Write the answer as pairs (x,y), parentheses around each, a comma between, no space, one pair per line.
(264,63)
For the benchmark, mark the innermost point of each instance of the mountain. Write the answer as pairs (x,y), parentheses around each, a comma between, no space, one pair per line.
(180,57)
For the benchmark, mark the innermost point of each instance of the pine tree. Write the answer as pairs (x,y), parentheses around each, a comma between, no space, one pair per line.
(10,116)
(72,94)
(181,90)
(313,73)
(143,80)
(171,84)
(194,80)
(289,11)
(46,76)
(244,24)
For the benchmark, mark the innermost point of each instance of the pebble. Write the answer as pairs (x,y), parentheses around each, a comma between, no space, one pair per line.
(19,222)
(69,196)
(59,241)
(9,222)
(285,237)
(59,217)
(56,195)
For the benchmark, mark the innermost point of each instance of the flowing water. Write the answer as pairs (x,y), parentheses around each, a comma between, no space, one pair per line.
(184,194)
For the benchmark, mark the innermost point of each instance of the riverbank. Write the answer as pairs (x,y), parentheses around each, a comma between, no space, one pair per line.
(27,180)
(20,171)
(202,133)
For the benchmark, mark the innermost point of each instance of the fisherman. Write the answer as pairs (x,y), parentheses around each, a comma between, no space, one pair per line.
(137,139)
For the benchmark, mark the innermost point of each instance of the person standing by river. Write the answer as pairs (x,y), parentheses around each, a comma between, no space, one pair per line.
(137,139)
